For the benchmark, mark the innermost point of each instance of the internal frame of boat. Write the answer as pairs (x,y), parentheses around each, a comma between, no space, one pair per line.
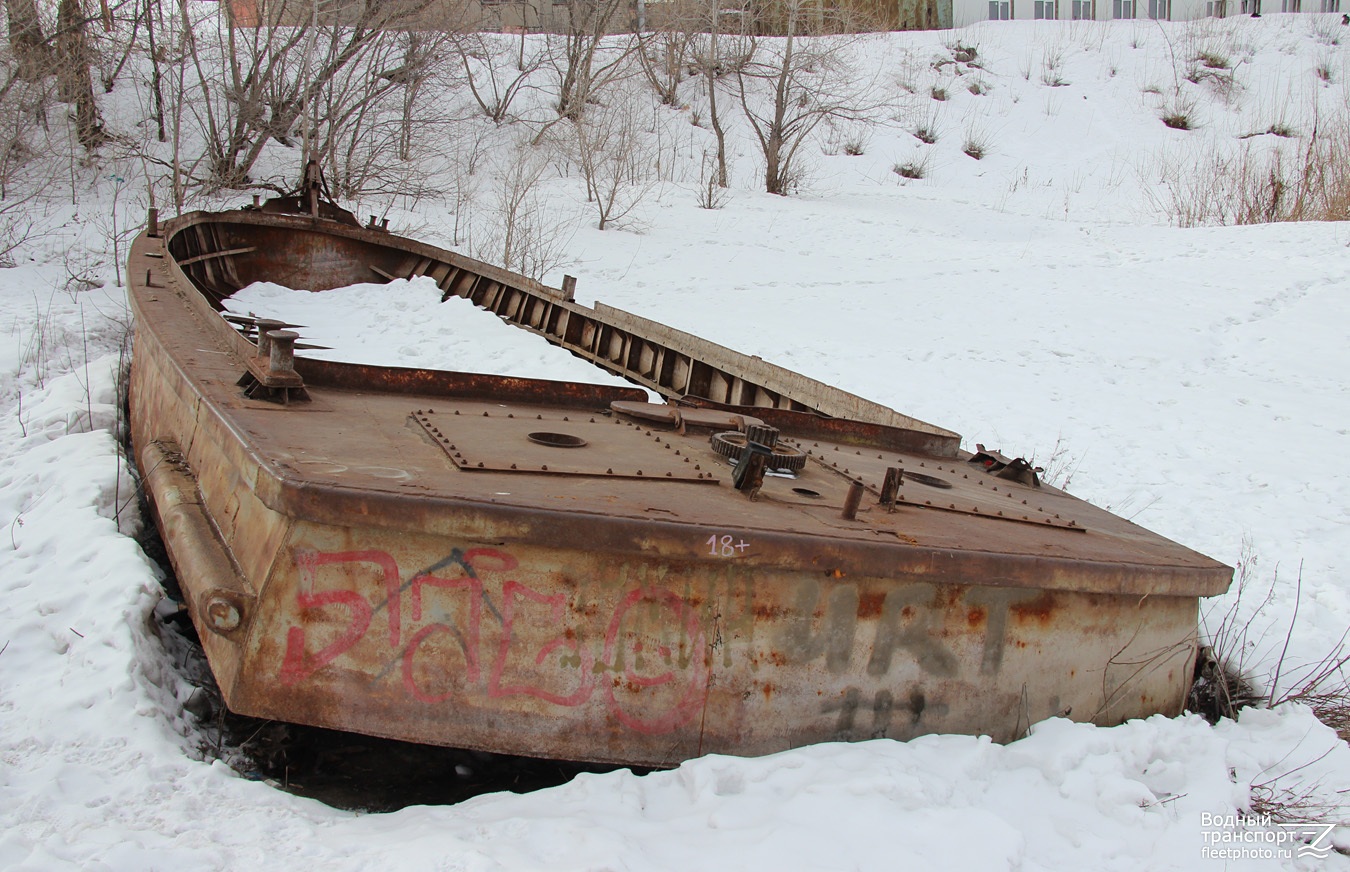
(564,570)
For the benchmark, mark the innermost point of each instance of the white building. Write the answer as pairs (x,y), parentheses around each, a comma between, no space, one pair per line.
(966,12)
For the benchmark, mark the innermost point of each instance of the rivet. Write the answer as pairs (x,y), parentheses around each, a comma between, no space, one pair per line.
(486,415)
(859,453)
(513,466)
(456,411)
(431,411)
(927,502)
(609,472)
(544,467)
(879,457)
(1056,516)
(564,417)
(639,472)
(538,417)
(845,470)
(592,420)
(480,464)
(1000,513)
(677,451)
(510,415)
(921,464)
(975,509)
(669,475)
(697,466)
(965,476)
(995,488)
(1024,502)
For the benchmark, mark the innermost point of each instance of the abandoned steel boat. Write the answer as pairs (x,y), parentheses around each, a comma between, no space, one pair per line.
(565,570)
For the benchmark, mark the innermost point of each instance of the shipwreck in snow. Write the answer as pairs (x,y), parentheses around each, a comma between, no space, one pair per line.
(564,570)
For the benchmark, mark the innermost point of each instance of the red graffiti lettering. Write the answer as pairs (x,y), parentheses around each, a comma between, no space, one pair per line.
(512,593)
(296,665)
(467,635)
(308,561)
(696,671)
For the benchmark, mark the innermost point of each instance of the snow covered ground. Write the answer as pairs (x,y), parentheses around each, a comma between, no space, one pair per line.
(1035,300)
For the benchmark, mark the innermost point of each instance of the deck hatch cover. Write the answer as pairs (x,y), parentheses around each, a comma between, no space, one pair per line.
(481,437)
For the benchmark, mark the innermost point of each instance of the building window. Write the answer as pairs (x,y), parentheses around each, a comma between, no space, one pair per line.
(1159,10)
(1122,8)
(1046,9)
(1000,10)
(1082,10)
(1331,5)
(1216,9)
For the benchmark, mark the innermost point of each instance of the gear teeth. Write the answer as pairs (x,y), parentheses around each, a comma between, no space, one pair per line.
(732,444)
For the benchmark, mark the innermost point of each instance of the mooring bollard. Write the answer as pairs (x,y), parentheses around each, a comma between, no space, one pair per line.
(281,358)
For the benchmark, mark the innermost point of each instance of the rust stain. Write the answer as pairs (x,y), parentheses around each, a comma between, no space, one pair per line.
(1040,610)
(870,603)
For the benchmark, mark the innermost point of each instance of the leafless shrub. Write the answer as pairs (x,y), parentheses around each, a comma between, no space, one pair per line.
(1229,635)
(1179,112)
(1212,59)
(916,168)
(519,235)
(612,153)
(711,195)
(976,144)
(1052,67)
(1309,181)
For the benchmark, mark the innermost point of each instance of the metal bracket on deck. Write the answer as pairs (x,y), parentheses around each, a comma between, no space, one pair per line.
(271,373)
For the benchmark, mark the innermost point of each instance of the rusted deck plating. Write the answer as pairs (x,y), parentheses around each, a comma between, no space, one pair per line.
(563,570)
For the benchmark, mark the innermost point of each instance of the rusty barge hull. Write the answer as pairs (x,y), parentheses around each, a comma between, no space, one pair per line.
(563,570)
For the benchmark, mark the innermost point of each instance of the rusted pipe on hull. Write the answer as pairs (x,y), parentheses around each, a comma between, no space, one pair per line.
(225,603)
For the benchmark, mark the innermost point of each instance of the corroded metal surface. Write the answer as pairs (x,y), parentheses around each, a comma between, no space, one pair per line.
(565,570)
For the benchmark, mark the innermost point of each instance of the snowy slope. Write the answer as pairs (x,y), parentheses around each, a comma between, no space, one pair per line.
(1192,379)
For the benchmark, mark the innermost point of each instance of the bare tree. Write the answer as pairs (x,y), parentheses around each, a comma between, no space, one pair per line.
(75,85)
(495,72)
(717,48)
(791,84)
(613,153)
(664,53)
(277,71)
(27,41)
(582,67)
